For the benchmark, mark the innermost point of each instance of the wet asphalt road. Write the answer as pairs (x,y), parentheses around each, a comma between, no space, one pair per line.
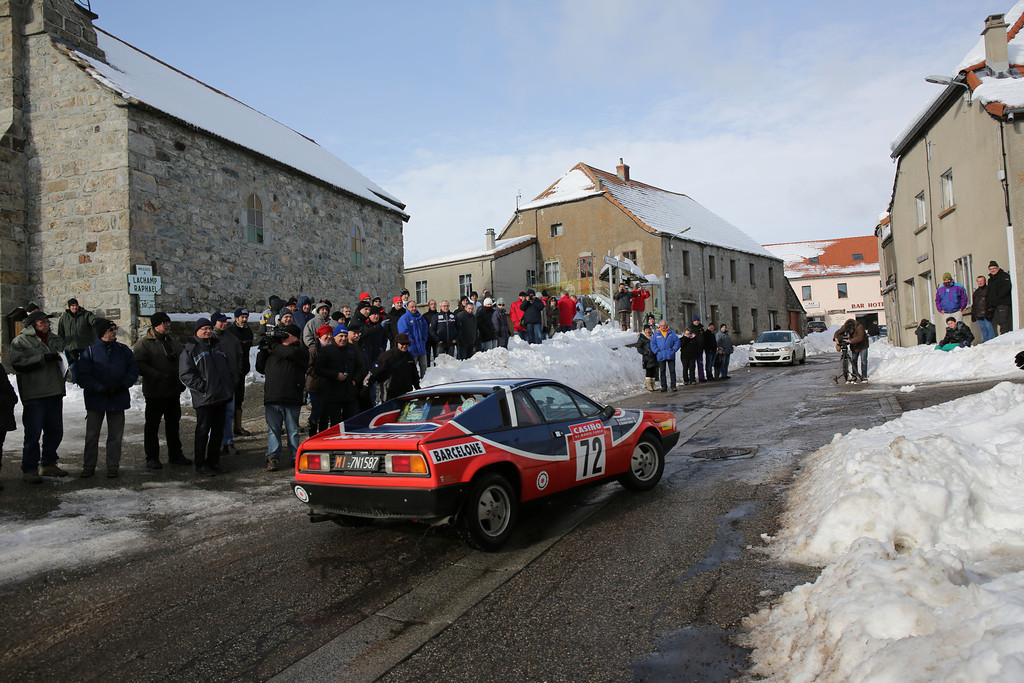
(602,584)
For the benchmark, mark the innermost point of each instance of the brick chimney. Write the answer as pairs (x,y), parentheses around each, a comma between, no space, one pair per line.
(65,20)
(622,171)
(996,54)
(489,239)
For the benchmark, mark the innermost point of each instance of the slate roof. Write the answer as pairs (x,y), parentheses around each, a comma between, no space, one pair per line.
(835,257)
(999,96)
(655,210)
(143,79)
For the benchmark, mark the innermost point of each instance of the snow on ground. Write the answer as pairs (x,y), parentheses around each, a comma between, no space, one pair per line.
(991,360)
(919,525)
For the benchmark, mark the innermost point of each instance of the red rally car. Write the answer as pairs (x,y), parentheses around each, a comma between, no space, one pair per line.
(468,453)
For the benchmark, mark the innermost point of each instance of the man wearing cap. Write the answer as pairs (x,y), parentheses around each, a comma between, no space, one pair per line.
(338,365)
(999,289)
(394,315)
(398,367)
(533,316)
(485,332)
(233,348)
(105,371)
(284,365)
(414,326)
(316,386)
(36,359)
(210,374)
(951,298)
(321,317)
(430,315)
(157,355)
(501,325)
(76,328)
(240,329)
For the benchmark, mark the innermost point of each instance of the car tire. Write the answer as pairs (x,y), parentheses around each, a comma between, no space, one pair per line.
(646,465)
(792,359)
(351,521)
(803,358)
(751,363)
(489,515)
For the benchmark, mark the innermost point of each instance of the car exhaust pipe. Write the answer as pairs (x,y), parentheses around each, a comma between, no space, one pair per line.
(314,518)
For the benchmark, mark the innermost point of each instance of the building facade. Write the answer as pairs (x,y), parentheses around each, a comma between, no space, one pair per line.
(705,265)
(114,160)
(501,267)
(959,186)
(835,279)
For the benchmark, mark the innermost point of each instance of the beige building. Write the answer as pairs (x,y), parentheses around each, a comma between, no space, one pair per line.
(959,186)
(704,265)
(502,266)
(835,279)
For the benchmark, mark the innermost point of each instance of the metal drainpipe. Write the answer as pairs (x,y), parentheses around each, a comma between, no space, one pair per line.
(1011,251)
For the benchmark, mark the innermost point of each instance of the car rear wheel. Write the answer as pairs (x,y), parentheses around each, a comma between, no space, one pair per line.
(645,466)
(803,357)
(489,516)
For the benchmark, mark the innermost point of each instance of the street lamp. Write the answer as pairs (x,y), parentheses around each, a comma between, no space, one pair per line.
(948,81)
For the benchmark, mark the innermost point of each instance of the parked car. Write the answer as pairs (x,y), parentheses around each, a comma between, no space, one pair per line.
(468,453)
(816,326)
(883,331)
(778,346)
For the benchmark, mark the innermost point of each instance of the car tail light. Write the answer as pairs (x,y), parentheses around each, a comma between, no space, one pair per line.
(315,462)
(405,463)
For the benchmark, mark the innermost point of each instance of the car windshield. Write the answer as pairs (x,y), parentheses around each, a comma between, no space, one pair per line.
(438,407)
(776,337)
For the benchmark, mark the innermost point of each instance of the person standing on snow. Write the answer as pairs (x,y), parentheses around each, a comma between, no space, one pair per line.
(951,298)
(981,312)
(999,289)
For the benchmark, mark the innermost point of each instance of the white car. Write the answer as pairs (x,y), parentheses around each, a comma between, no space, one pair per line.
(779,346)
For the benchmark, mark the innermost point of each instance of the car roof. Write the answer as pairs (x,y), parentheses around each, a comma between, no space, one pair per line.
(482,386)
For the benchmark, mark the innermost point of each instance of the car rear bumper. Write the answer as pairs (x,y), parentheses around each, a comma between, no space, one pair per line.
(669,441)
(381,503)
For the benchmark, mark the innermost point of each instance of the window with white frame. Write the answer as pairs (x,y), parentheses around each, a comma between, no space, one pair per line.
(919,209)
(531,277)
(946,185)
(556,229)
(963,270)
(421,291)
(805,293)
(465,285)
(552,272)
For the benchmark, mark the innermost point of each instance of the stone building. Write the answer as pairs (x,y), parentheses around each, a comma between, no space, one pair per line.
(499,267)
(958,192)
(706,266)
(113,159)
(836,279)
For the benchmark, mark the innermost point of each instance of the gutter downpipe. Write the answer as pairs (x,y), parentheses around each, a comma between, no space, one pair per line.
(1010,250)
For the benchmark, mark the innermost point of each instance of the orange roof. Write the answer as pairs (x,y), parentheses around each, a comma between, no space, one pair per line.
(827,258)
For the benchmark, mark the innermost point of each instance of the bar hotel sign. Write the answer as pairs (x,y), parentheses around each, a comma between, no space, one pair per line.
(145,285)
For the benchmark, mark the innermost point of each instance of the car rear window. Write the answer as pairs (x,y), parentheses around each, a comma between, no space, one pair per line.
(437,408)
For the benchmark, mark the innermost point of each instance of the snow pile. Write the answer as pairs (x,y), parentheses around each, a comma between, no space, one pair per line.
(920,526)
(993,359)
(821,342)
(597,363)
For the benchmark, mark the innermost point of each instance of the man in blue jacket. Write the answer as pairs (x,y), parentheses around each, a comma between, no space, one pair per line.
(414,326)
(105,371)
(665,346)
(951,298)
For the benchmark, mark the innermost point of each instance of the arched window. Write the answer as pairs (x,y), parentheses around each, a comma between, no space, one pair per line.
(254,219)
(356,245)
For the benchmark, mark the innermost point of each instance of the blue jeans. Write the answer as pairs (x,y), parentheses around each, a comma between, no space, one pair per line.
(276,413)
(670,365)
(863,356)
(45,417)
(988,331)
(533,333)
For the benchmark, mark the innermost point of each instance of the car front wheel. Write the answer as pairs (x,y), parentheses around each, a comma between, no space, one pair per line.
(489,516)
(645,466)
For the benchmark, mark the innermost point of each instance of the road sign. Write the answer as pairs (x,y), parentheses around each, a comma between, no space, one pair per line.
(143,284)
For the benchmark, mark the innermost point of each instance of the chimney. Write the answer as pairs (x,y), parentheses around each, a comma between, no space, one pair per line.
(623,171)
(489,240)
(66,20)
(997,55)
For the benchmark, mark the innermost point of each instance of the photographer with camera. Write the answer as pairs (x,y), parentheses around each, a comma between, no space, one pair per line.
(852,340)
(283,360)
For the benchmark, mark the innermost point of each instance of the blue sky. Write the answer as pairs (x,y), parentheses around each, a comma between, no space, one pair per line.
(775,115)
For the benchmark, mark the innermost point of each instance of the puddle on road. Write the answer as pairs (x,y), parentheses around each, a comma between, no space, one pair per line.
(693,653)
(727,543)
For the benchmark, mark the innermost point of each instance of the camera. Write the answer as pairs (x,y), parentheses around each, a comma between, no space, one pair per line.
(271,337)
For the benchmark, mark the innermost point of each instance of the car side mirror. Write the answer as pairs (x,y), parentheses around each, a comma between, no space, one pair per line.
(608,412)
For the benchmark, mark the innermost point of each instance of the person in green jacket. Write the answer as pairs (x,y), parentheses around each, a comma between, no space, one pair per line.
(76,329)
(36,359)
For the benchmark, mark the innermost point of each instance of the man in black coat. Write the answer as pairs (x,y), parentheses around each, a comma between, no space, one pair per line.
(240,329)
(533,317)
(467,331)
(157,354)
(398,367)
(284,365)
(445,330)
(338,364)
(999,289)
(211,375)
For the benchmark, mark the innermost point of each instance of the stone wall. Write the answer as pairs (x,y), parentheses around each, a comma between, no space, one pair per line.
(189,195)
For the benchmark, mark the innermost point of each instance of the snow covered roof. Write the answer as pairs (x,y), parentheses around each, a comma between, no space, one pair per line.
(657,210)
(137,76)
(994,93)
(501,247)
(832,257)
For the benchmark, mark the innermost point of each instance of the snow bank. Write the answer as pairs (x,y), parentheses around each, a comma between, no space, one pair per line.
(991,360)
(920,526)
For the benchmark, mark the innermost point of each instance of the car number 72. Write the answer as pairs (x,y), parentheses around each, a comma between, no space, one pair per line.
(587,447)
